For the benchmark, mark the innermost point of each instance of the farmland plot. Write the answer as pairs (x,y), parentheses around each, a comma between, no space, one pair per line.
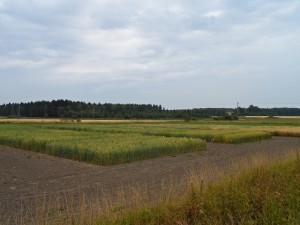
(115,143)
(221,134)
(100,148)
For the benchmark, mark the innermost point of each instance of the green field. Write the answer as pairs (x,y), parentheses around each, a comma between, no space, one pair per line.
(102,148)
(221,134)
(117,142)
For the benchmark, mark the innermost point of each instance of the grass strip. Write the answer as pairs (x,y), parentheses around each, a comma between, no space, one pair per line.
(265,195)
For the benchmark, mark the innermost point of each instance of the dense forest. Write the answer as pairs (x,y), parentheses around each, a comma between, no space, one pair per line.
(77,109)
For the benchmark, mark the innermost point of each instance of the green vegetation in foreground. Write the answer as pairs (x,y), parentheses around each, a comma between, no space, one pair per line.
(265,195)
(98,147)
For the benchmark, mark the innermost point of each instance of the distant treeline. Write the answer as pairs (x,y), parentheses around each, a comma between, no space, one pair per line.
(76,109)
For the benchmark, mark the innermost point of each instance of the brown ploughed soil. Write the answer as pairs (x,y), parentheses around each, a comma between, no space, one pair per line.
(26,176)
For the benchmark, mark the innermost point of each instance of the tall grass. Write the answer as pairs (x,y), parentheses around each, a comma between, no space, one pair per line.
(265,195)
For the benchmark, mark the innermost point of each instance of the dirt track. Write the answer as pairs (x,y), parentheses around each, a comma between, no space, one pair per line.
(26,175)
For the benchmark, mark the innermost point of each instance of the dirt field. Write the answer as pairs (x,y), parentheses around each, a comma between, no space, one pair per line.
(25,176)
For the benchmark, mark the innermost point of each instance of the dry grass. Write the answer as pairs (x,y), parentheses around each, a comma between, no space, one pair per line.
(5,120)
(283,131)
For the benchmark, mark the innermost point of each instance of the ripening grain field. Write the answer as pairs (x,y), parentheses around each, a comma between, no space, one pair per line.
(116,143)
(102,148)
(209,133)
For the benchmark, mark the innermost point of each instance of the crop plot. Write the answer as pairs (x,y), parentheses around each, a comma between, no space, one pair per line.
(222,134)
(115,143)
(100,148)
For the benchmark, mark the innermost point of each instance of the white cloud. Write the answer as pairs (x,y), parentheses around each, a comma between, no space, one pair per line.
(215,13)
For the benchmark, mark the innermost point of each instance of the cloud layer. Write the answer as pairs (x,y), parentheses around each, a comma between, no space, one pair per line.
(176,53)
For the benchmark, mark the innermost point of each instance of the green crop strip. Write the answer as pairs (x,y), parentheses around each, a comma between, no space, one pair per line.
(229,134)
(100,148)
(114,143)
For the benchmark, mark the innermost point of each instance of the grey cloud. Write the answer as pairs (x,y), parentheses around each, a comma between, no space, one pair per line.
(150,51)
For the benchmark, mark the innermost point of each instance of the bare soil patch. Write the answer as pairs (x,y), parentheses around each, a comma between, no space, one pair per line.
(26,176)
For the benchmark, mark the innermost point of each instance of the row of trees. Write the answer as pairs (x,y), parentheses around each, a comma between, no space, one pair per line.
(76,109)
(256,111)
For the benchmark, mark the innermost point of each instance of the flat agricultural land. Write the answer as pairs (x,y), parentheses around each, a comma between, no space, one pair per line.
(123,142)
(46,120)
(127,155)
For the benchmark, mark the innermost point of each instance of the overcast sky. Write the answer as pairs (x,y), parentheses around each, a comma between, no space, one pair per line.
(177,53)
